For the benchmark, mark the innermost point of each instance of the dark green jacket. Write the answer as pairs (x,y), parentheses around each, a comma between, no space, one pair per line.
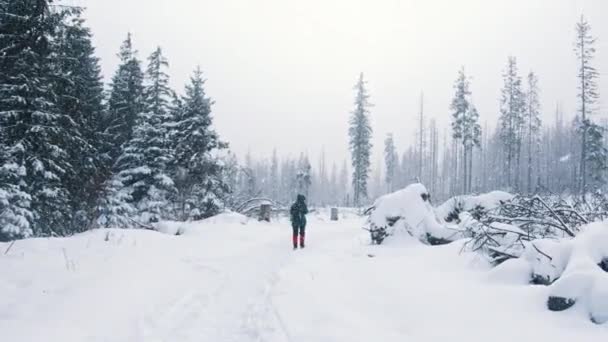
(298,212)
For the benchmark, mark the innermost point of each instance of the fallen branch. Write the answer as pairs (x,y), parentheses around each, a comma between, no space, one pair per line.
(541,252)
(565,228)
(9,247)
(146,226)
(497,251)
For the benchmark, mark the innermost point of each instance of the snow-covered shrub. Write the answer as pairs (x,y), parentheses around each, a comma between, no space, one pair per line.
(408,210)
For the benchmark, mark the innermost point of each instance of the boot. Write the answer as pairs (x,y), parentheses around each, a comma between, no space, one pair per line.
(295,241)
(302,241)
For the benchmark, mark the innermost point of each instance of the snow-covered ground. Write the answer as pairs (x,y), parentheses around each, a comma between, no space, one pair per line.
(223,280)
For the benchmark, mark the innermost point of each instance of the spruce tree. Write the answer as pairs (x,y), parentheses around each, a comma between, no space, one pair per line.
(333,185)
(274,176)
(465,125)
(512,121)
(114,208)
(198,171)
(390,162)
(231,171)
(533,123)
(80,95)
(153,186)
(596,156)
(587,95)
(141,185)
(126,95)
(35,132)
(360,133)
(304,176)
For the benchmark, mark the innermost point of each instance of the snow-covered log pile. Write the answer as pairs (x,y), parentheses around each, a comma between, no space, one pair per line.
(575,269)
(552,242)
(585,278)
(408,210)
(504,232)
(477,206)
(560,243)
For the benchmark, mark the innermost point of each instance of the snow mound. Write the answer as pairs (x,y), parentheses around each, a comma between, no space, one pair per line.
(584,280)
(407,210)
(513,271)
(228,217)
(574,269)
(547,258)
(180,228)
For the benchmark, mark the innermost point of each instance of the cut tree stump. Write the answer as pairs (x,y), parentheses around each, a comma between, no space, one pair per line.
(334,214)
(265,212)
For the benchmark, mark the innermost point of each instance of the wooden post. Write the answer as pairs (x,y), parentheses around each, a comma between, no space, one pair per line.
(334,214)
(264,213)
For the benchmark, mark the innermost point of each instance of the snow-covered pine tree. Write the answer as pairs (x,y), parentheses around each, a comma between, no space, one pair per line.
(321,181)
(512,104)
(465,125)
(126,95)
(333,197)
(274,176)
(304,175)
(533,125)
(587,95)
(35,132)
(360,133)
(114,208)
(471,139)
(80,95)
(377,184)
(343,185)
(15,203)
(154,189)
(596,156)
(421,143)
(247,178)
(231,171)
(433,156)
(200,186)
(141,175)
(390,162)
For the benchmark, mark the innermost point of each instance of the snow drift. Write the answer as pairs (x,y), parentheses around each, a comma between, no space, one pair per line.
(181,228)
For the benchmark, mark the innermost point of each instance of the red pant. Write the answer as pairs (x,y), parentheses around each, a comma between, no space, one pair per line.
(301,232)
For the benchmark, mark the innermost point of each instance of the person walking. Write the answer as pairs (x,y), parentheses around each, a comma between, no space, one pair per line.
(298,213)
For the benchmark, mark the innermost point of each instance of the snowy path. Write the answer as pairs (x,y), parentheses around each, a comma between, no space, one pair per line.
(232,282)
(344,290)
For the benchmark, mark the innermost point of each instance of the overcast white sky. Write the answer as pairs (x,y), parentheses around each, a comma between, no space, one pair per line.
(281,71)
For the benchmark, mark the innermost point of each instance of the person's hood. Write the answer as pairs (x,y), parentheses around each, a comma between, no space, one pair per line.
(301,198)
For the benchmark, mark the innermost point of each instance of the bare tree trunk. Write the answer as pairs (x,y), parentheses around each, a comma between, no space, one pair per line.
(518,166)
(583,174)
(470,169)
(465,162)
(529,149)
